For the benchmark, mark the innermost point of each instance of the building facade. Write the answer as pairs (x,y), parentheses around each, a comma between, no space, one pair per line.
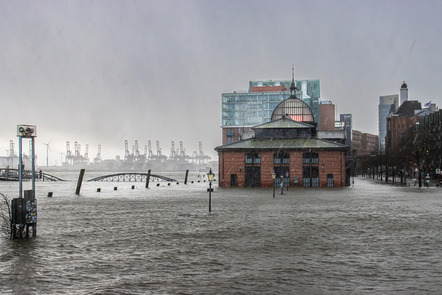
(326,116)
(288,149)
(387,105)
(398,122)
(421,147)
(430,143)
(348,127)
(364,144)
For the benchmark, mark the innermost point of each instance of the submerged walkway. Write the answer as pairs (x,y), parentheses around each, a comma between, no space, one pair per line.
(132,177)
(7,174)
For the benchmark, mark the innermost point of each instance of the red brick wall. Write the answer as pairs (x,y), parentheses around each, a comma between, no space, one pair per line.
(334,163)
(233,163)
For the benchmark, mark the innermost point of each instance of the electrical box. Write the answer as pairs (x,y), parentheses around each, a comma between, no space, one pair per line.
(24,211)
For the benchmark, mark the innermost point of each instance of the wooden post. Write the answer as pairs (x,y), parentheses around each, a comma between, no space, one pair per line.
(148,179)
(80,180)
(185,178)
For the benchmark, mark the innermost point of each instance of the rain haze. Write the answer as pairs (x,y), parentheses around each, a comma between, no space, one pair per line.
(102,72)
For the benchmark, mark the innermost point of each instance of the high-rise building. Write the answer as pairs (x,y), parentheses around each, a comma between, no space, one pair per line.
(387,105)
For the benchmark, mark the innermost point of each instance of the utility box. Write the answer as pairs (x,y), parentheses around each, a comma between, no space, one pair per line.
(24,211)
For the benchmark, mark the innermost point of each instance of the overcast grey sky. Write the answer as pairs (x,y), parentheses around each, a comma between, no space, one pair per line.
(101,72)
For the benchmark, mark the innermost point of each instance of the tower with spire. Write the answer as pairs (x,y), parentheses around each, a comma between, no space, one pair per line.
(293,86)
(403,93)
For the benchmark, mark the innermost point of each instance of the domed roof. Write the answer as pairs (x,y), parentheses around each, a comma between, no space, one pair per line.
(404,85)
(295,109)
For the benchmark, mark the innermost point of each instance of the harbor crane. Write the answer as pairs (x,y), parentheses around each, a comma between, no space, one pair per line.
(98,158)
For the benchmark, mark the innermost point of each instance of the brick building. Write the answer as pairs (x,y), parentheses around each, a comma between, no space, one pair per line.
(398,123)
(287,146)
(364,144)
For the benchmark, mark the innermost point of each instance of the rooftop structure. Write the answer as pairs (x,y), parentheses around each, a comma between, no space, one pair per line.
(242,110)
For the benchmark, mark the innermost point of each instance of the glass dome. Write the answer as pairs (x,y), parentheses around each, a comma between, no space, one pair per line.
(295,108)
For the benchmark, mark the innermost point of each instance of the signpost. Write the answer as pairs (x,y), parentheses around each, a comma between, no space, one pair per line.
(24,209)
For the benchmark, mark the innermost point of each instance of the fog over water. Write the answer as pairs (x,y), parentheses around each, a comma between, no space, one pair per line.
(101,72)
(370,238)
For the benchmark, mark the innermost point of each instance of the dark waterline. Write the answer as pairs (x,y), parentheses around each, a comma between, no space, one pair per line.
(367,239)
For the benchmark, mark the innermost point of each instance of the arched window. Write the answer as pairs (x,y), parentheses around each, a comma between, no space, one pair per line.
(295,108)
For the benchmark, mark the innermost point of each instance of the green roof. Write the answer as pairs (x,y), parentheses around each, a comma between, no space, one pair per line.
(288,144)
(286,123)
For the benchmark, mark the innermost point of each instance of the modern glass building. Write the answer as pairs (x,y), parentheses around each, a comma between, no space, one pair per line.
(387,104)
(242,110)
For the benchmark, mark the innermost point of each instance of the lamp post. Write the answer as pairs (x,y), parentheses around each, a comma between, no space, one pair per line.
(273,177)
(282,184)
(210,176)
(418,148)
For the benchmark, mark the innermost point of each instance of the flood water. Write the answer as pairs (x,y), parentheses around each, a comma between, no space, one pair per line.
(370,238)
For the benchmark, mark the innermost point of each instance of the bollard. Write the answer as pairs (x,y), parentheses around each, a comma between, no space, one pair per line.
(98,190)
(168,184)
(49,194)
(115,188)
(80,180)
(133,187)
(158,184)
(148,179)
(185,178)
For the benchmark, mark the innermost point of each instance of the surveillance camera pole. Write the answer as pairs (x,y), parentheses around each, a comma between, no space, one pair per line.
(24,209)
(20,168)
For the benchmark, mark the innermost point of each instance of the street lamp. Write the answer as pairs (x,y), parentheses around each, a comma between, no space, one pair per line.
(274,177)
(282,184)
(418,147)
(210,176)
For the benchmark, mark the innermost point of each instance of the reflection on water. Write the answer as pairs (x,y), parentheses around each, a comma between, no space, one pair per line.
(369,238)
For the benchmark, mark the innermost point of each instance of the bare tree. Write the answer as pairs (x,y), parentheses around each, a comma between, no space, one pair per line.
(5,215)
